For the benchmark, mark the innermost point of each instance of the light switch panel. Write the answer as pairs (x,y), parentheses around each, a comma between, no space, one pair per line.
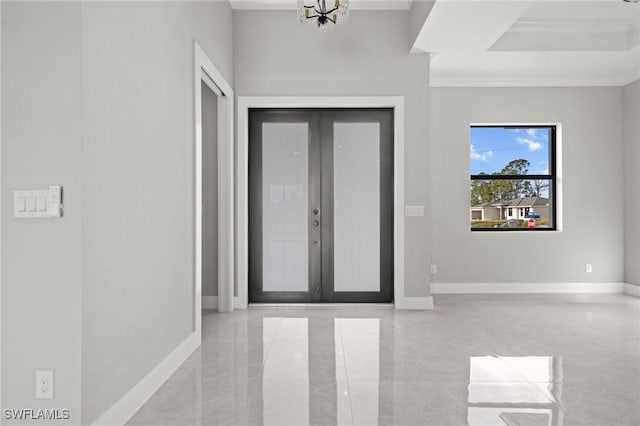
(31,204)
(414,210)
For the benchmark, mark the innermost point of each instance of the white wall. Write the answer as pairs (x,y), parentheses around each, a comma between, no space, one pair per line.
(592,187)
(41,145)
(632,182)
(138,160)
(274,55)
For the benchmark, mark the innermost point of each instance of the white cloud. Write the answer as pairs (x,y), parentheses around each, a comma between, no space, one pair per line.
(482,156)
(533,145)
(532,132)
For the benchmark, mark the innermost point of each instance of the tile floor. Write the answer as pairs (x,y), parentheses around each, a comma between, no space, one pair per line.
(475,360)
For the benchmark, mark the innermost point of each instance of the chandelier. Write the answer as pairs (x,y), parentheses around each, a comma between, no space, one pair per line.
(325,17)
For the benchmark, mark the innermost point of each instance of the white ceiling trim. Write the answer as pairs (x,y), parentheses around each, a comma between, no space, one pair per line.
(467,26)
(292,4)
(616,26)
(536,69)
(570,35)
(452,81)
(633,35)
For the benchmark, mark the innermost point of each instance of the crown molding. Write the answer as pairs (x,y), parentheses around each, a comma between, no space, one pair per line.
(452,81)
(633,33)
(630,77)
(567,26)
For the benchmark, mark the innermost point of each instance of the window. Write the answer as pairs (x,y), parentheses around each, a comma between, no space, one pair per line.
(513,177)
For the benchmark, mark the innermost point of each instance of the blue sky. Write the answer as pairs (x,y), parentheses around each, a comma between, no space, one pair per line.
(492,148)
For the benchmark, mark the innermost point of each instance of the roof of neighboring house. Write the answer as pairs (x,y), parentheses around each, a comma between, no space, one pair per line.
(524,202)
(481,206)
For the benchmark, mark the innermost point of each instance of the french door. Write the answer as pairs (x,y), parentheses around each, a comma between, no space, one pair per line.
(320,205)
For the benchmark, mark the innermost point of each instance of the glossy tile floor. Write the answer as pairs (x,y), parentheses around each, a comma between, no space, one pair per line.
(525,360)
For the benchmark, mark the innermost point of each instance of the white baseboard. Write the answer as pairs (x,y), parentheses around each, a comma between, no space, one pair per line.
(476,288)
(120,412)
(424,303)
(632,290)
(211,302)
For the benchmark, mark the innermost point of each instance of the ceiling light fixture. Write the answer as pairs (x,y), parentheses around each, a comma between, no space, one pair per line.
(318,14)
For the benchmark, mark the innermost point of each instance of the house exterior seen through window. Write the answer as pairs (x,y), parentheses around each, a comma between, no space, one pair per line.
(513,178)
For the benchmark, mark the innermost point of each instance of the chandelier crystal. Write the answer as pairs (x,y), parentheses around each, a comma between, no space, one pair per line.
(323,14)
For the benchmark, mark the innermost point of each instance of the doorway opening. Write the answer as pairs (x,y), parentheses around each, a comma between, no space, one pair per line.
(209,197)
(321,205)
(213,173)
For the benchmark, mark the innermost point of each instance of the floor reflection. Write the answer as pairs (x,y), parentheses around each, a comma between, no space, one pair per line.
(515,391)
(477,364)
(357,343)
(285,387)
(502,390)
(291,367)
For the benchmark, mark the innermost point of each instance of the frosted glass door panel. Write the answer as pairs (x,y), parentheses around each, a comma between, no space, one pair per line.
(285,189)
(356,152)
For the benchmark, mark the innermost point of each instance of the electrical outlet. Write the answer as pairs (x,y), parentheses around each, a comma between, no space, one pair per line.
(434,269)
(44,384)
(588,269)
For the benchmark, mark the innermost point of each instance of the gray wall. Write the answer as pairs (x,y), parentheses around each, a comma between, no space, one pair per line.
(632,182)
(209,192)
(41,145)
(276,56)
(592,186)
(138,184)
(98,97)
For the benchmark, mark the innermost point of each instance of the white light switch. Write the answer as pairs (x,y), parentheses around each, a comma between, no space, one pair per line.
(414,210)
(42,204)
(31,203)
(46,203)
(21,204)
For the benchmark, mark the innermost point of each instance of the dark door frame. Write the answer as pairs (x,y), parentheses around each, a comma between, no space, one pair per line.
(320,120)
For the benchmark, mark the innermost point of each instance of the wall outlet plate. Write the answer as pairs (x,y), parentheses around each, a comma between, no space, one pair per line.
(44,384)
(434,269)
(588,268)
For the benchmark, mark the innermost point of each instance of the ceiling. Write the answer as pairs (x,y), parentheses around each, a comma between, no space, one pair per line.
(518,42)
(292,4)
(532,43)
